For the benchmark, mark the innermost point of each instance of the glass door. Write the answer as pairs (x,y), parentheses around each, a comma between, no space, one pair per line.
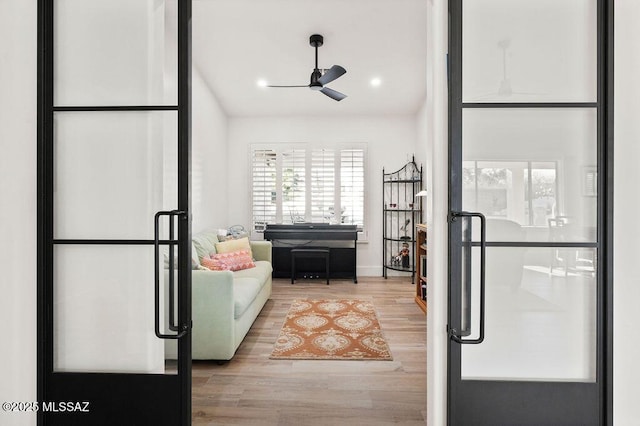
(528,228)
(114,224)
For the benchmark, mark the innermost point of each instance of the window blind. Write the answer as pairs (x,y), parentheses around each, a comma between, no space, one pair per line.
(352,186)
(323,171)
(293,186)
(299,184)
(264,193)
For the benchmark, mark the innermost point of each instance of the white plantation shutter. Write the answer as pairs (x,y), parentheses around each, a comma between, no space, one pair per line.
(323,185)
(352,186)
(264,188)
(293,186)
(323,181)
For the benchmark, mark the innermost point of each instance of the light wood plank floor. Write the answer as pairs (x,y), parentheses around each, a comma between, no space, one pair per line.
(251,389)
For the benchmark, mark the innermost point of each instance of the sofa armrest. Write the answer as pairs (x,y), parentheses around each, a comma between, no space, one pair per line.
(213,309)
(261,250)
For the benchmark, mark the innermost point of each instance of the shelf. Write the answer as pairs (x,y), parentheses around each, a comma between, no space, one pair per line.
(403,181)
(401,211)
(399,268)
(399,240)
(421,267)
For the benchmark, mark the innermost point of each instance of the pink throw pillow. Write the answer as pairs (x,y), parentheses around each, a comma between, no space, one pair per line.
(232,261)
(214,264)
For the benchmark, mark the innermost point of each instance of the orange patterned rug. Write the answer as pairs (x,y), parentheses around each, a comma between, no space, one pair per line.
(343,329)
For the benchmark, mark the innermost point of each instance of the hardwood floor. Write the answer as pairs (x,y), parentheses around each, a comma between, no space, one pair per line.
(251,389)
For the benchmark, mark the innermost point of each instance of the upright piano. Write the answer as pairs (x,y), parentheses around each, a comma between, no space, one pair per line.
(341,240)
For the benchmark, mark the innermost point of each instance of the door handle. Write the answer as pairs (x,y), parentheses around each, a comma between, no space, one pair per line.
(156,242)
(457,335)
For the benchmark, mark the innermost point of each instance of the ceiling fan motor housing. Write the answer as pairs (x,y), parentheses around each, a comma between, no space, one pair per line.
(316,40)
(314,84)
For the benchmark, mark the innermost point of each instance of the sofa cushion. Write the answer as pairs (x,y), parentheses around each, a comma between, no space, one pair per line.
(261,272)
(232,261)
(245,291)
(195,260)
(205,243)
(214,264)
(234,245)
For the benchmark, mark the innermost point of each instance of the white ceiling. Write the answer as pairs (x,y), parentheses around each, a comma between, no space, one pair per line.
(238,42)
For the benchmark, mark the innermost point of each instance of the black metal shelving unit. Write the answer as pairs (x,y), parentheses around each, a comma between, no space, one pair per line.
(402,211)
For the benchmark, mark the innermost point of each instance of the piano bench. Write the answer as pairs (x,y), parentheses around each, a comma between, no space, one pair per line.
(309,252)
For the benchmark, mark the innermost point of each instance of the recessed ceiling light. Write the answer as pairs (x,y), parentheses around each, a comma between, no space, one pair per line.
(261,83)
(375,82)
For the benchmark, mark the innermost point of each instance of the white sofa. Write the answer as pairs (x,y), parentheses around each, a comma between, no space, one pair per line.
(225,304)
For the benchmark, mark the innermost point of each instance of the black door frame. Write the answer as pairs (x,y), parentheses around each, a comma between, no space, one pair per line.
(140,397)
(494,391)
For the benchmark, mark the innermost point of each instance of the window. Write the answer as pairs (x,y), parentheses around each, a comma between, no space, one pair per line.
(323,185)
(293,184)
(352,185)
(293,187)
(264,187)
(524,191)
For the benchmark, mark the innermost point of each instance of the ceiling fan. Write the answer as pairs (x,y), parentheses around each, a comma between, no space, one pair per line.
(320,77)
(504,89)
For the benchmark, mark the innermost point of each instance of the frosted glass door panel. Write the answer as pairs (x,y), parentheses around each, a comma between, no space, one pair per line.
(540,317)
(113,172)
(116,52)
(531,172)
(529,51)
(104,310)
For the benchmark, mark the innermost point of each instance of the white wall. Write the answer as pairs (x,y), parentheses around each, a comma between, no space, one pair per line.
(423,127)
(436,211)
(18,200)
(390,142)
(626,351)
(209,163)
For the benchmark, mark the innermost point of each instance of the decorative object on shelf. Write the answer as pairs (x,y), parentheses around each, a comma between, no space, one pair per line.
(421,267)
(404,253)
(404,229)
(401,212)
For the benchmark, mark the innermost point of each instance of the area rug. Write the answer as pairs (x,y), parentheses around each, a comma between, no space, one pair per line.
(341,329)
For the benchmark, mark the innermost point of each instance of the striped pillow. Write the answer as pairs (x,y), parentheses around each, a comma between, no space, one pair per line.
(232,261)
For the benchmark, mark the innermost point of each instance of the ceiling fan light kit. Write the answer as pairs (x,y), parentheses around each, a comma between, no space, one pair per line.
(321,77)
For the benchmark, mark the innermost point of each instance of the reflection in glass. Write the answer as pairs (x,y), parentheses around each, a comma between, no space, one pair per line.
(528,166)
(525,191)
(540,181)
(116,52)
(529,51)
(104,310)
(113,172)
(539,314)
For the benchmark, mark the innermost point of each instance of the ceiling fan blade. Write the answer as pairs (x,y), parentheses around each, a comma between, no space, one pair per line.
(333,73)
(333,94)
(306,85)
